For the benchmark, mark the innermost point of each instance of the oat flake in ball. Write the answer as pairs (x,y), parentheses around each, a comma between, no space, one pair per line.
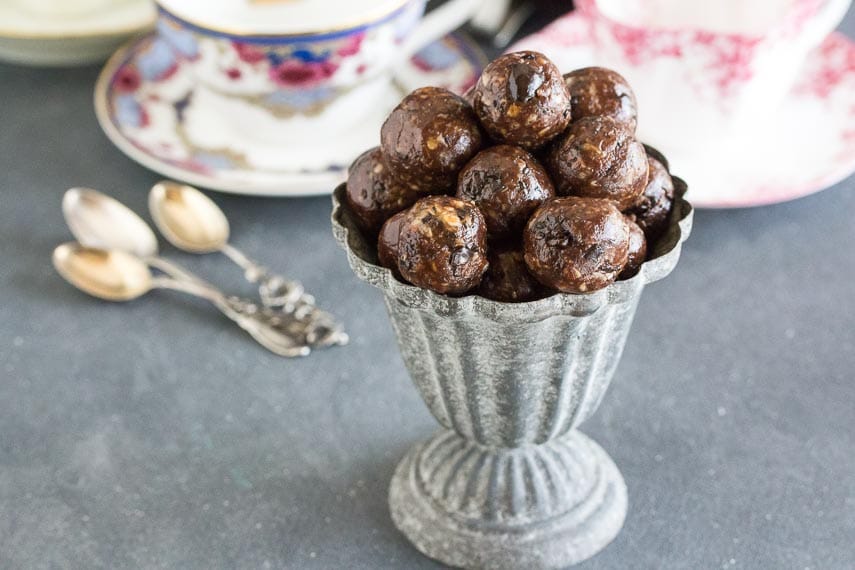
(372,194)
(428,138)
(597,157)
(521,99)
(576,245)
(507,184)
(442,245)
(599,91)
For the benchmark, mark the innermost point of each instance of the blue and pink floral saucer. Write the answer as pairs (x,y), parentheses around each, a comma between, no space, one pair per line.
(151,106)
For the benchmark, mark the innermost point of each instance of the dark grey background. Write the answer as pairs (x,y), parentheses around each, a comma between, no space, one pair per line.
(155,435)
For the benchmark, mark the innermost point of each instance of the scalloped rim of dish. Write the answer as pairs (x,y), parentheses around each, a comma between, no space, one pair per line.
(666,257)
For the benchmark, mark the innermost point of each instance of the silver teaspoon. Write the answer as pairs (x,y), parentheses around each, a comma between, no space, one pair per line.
(97,220)
(100,221)
(116,275)
(192,222)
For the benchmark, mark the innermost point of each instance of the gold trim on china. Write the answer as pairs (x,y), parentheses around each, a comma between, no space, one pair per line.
(238,158)
(104,112)
(281,111)
(105,76)
(367,19)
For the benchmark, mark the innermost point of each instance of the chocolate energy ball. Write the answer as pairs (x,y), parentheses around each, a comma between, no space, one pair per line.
(469,96)
(600,91)
(507,184)
(597,157)
(372,194)
(508,279)
(521,99)
(576,245)
(651,210)
(637,251)
(387,241)
(442,245)
(428,138)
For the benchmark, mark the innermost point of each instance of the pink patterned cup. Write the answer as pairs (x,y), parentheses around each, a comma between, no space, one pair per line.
(290,69)
(706,71)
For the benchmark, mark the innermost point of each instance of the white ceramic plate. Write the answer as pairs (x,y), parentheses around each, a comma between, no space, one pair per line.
(145,101)
(72,38)
(806,146)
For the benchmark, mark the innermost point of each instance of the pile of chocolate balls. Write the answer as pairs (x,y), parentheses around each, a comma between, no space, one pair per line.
(529,184)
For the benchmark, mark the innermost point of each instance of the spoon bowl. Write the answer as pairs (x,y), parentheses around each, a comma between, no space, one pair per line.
(99,221)
(187,218)
(112,275)
(194,223)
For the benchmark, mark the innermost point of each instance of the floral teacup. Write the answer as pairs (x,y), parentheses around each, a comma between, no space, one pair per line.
(277,68)
(707,71)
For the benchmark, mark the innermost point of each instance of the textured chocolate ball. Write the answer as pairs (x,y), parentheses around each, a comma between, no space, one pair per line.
(597,157)
(507,184)
(428,138)
(521,99)
(442,245)
(599,91)
(387,241)
(372,194)
(652,209)
(576,245)
(469,96)
(508,279)
(637,251)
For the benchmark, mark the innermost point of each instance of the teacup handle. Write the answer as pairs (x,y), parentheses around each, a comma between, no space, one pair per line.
(437,23)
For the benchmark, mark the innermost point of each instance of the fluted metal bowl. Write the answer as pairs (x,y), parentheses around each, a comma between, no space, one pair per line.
(511,483)
(362,256)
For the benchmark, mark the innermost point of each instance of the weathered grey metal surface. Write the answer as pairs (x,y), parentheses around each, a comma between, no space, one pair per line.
(536,506)
(507,384)
(511,484)
(362,257)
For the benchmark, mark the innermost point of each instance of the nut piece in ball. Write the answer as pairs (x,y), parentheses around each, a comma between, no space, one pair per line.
(576,245)
(597,157)
(600,91)
(372,194)
(442,245)
(428,138)
(652,208)
(507,184)
(521,99)
(387,242)
(508,279)
(637,251)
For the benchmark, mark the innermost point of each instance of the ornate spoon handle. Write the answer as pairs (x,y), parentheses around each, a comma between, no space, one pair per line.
(319,328)
(244,313)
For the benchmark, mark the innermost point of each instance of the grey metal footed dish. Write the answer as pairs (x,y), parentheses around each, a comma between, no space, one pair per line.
(510,482)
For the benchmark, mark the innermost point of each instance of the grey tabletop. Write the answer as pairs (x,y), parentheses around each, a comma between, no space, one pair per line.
(154,434)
